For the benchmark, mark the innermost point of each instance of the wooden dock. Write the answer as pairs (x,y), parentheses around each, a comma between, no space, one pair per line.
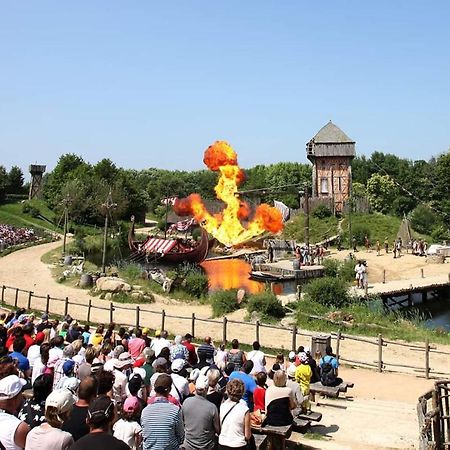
(285,269)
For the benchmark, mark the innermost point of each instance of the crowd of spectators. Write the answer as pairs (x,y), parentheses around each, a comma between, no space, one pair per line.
(10,235)
(112,388)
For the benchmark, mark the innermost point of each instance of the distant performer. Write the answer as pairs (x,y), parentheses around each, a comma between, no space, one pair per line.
(270,252)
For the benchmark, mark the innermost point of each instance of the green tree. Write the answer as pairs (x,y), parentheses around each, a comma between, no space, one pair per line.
(381,191)
(14,183)
(3,183)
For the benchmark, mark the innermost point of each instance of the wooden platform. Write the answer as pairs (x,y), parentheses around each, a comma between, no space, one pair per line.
(284,268)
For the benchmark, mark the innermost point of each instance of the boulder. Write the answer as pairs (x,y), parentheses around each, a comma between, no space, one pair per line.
(112,284)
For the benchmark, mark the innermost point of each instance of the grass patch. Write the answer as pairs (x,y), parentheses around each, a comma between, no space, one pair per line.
(319,229)
(314,436)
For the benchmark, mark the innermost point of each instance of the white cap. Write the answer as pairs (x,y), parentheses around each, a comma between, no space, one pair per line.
(10,386)
(202,382)
(194,374)
(291,355)
(177,365)
(139,371)
(61,399)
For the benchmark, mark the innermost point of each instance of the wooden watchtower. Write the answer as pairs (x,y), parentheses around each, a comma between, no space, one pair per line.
(331,152)
(36,171)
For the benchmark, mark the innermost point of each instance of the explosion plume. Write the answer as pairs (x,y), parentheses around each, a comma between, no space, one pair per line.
(227,226)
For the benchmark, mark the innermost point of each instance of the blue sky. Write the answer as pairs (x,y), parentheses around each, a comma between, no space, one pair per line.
(152,84)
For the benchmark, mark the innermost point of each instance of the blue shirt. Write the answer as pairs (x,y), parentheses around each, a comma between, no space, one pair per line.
(249,383)
(24,364)
(329,359)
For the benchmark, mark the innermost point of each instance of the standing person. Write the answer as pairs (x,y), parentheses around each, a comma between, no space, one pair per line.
(378,247)
(236,356)
(127,429)
(207,350)
(294,386)
(359,274)
(178,350)
(258,358)
(201,419)
(386,245)
(13,431)
(221,358)
(120,379)
(100,417)
(234,419)
(394,249)
(162,423)
(160,342)
(180,385)
(49,436)
(76,424)
(192,358)
(270,252)
(354,245)
(303,375)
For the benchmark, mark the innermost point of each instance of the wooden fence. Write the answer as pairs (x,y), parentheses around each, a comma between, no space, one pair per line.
(274,337)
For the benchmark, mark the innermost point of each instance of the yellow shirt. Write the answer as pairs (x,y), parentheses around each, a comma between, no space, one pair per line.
(96,339)
(303,375)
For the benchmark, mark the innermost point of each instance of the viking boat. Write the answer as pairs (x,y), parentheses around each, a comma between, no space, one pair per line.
(168,250)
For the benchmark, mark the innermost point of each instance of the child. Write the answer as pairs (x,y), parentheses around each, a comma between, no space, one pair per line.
(280,361)
(221,357)
(303,376)
(259,394)
(127,429)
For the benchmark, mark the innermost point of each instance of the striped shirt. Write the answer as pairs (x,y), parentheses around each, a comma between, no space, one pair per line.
(162,425)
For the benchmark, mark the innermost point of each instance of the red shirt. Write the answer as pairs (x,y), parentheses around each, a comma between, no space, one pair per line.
(259,398)
(192,358)
(28,340)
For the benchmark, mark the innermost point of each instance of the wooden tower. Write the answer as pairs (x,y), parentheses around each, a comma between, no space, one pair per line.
(331,152)
(36,171)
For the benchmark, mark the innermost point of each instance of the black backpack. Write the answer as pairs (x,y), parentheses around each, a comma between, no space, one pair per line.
(327,375)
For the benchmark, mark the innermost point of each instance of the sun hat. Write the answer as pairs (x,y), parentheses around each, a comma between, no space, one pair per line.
(177,365)
(61,399)
(10,386)
(131,404)
(123,361)
(202,382)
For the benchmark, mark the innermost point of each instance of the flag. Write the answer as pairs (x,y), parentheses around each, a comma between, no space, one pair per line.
(169,200)
(183,225)
(284,210)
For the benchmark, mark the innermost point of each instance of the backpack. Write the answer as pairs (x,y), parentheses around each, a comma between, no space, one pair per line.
(327,375)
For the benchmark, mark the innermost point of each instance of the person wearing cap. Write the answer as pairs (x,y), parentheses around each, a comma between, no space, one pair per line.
(120,378)
(136,345)
(76,424)
(127,428)
(201,418)
(293,385)
(146,337)
(303,375)
(13,431)
(161,421)
(24,364)
(99,419)
(49,436)
(33,409)
(180,385)
(68,372)
(178,350)
(192,354)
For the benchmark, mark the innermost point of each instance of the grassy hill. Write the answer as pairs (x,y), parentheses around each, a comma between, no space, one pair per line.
(13,214)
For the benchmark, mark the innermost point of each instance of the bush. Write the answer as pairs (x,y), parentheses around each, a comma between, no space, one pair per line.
(267,305)
(423,219)
(131,272)
(440,234)
(331,267)
(328,291)
(321,212)
(196,284)
(359,232)
(31,210)
(346,271)
(224,302)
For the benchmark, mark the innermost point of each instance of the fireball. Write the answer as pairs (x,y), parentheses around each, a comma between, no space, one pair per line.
(228,227)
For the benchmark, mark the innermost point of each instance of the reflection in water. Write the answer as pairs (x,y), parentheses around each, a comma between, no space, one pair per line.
(231,274)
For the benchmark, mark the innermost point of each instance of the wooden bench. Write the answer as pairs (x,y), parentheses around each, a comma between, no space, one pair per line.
(301,425)
(311,416)
(330,391)
(276,435)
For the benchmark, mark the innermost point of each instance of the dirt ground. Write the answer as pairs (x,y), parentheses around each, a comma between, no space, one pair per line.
(379,412)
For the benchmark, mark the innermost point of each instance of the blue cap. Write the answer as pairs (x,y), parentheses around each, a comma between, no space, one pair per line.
(68,367)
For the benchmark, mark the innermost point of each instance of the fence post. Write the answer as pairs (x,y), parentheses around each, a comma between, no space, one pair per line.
(427,359)
(16,298)
(193,325)
(294,338)
(421,273)
(257,324)
(163,319)
(4,287)
(384,276)
(66,306)
(30,294)
(137,316)
(224,334)
(88,318)
(111,312)
(47,304)
(380,353)
(338,344)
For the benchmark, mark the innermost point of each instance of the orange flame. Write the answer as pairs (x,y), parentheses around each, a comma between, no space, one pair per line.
(226,226)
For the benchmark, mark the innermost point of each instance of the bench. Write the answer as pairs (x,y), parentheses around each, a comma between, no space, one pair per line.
(330,391)
(276,435)
(311,416)
(301,425)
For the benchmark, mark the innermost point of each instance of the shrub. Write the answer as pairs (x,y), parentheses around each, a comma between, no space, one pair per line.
(440,234)
(321,212)
(131,272)
(196,284)
(331,267)
(423,219)
(224,302)
(266,304)
(360,231)
(346,271)
(328,291)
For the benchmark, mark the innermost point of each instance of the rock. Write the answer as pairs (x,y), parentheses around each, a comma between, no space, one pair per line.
(148,298)
(240,296)
(254,316)
(112,284)
(68,260)
(107,296)
(137,295)
(435,259)
(136,287)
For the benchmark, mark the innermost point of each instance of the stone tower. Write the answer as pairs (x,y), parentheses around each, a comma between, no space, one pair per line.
(331,152)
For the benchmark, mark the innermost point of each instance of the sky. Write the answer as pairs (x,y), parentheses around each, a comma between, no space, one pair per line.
(153,84)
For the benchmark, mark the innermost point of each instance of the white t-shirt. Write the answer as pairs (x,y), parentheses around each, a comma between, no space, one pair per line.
(158,345)
(55,352)
(38,369)
(34,353)
(180,387)
(232,433)
(9,424)
(258,358)
(45,437)
(126,431)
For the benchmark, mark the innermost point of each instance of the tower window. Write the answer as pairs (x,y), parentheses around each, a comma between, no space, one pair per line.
(324,185)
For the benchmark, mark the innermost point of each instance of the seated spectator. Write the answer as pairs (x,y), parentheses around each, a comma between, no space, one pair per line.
(49,436)
(160,342)
(329,368)
(234,418)
(136,345)
(215,394)
(279,401)
(192,358)
(303,375)
(41,363)
(178,350)
(180,385)
(34,351)
(99,419)
(259,394)
(105,382)
(23,363)
(97,337)
(258,358)
(248,380)
(294,386)
(314,368)
(236,356)
(206,351)
(33,410)
(127,428)
(221,358)
(120,378)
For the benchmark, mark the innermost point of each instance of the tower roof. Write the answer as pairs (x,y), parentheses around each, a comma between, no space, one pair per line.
(331,134)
